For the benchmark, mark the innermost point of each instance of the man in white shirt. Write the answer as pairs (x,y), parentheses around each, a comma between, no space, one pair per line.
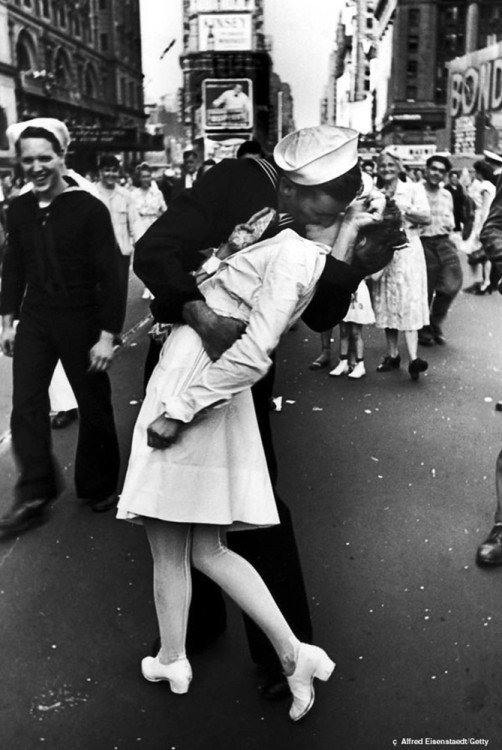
(444,273)
(125,217)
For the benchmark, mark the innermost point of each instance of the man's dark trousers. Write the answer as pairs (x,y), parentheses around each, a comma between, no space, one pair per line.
(444,276)
(272,551)
(43,336)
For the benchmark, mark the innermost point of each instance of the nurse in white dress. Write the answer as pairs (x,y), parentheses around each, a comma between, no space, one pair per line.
(204,470)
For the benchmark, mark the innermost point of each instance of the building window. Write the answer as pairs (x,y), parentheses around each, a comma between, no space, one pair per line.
(62,17)
(411,93)
(104,42)
(76,25)
(102,4)
(413,43)
(27,3)
(123,94)
(25,54)
(90,82)
(45,9)
(4,141)
(414,17)
(412,68)
(62,69)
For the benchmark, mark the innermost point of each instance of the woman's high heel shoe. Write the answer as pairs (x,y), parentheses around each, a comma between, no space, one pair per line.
(311,662)
(178,673)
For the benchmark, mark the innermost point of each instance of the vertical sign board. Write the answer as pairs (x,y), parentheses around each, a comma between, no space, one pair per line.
(225,32)
(227,104)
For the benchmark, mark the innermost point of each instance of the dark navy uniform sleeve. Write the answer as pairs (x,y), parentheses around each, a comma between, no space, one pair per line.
(106,260)
(332,297)
(13,273)
(491,232)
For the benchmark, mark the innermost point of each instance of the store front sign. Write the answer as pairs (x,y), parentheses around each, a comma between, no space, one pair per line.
(415,153)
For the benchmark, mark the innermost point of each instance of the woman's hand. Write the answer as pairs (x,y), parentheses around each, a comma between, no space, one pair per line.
(163,432)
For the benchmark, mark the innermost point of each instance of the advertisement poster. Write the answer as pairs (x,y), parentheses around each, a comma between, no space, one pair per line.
(227,104)
(225,32)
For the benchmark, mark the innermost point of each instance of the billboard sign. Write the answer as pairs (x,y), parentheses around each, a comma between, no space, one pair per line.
(225,32)
(227,104)
(475,82)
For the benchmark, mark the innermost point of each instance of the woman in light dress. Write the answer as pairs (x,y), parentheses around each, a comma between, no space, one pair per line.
(482,191)
(213,476)
(399,293)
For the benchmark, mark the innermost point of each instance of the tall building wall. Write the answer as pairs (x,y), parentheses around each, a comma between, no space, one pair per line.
(225,40)
(80,62)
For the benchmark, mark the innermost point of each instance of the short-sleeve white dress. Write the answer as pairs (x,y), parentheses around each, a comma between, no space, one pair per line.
(216,472)
(400,295)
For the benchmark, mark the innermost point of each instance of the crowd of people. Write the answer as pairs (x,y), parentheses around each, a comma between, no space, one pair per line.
(443,211)
(302,234)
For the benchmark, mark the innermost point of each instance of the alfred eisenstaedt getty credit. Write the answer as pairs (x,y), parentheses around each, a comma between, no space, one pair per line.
(431,741)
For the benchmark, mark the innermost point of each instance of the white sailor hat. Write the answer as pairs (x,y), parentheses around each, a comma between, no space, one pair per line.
(56,127)
(312,156)
(491,156)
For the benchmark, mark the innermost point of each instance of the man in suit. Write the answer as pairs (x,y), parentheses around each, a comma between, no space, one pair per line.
(313,178)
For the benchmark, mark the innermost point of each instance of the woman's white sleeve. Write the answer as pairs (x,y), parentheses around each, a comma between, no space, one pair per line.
(287,276)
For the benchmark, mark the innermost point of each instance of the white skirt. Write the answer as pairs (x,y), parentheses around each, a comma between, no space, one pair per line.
(216,472)
(360,309)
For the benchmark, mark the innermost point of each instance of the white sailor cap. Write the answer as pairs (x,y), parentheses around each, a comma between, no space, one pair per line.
(491,156)
(312,156)
(56,127)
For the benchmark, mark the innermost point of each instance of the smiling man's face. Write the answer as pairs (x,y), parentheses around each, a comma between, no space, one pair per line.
(41,165)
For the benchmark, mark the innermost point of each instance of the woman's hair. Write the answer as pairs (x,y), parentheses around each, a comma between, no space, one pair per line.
(484,169)
(344,188)
(33,132)
(401,170)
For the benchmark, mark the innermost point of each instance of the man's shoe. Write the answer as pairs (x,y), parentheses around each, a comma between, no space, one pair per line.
(490,551)
(63,418)
(102,504)
(425,338)
(274,686)
(31,513)
(437,334)
(389,363)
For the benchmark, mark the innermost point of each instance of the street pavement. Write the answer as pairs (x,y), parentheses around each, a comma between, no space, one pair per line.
(391,487)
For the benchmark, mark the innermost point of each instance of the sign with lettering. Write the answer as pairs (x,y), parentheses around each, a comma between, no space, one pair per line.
(225,32)
(211,6)
(417,152)
(475,82)
(227,104)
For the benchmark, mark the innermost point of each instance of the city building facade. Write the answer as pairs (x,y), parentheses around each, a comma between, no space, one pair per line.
(391,64)
(230,92)
(80,61)
(415,42)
